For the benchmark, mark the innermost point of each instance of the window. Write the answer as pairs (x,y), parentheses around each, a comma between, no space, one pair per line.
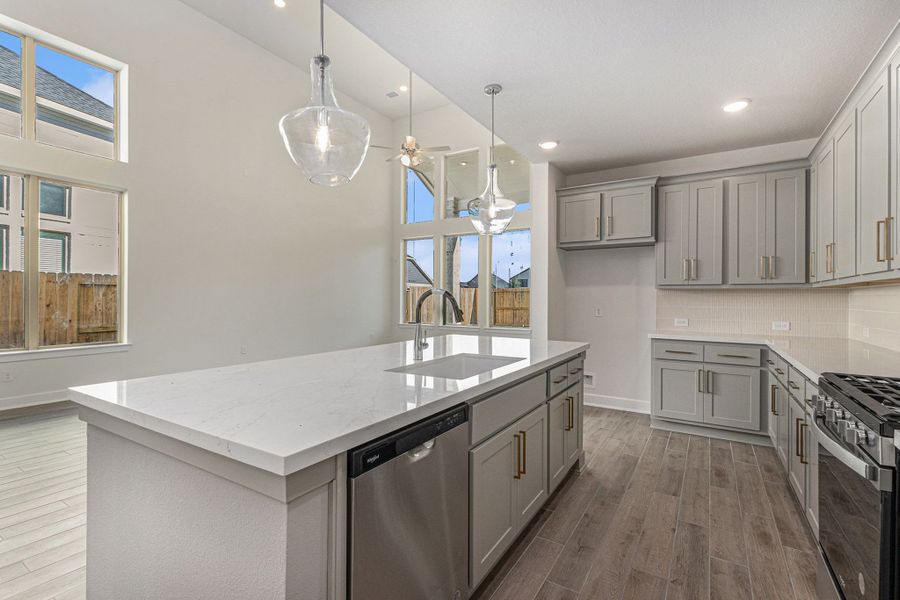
(60,249)
(75,103)
(10,84)
(514,176)
(420,193)
(55,200)
(511,279)
(461,275)
(418,277)
(461,182)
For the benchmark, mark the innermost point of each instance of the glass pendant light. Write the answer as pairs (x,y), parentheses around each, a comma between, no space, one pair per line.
(491,212)
(326,141)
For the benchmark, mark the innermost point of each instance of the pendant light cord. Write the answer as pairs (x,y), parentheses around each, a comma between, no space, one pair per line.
(494,95)
(410,103)
(322,25)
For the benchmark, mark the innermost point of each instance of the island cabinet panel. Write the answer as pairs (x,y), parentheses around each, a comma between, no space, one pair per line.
(558,422)
(825,214)
(572,433)
(678,390)
(811,450)
(771,395)
(579,218)
(509,481)
(732,397)
(797,450)
(747,229)
(629,215)
(873,206)
(845,227)
(783,441)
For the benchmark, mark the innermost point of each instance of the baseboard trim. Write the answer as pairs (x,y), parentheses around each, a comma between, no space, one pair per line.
(27,400)
(614,402)
(759,439)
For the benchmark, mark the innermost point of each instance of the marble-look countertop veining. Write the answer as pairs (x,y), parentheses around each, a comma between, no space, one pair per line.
(287,414)
(812,356)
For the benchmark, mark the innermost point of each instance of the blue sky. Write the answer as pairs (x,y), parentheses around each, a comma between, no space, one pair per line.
(95,81)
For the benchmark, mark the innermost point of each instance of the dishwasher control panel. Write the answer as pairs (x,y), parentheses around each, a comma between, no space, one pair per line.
(377,452)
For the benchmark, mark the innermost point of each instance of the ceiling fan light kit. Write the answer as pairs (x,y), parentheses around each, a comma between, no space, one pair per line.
(326,141)
(492,212)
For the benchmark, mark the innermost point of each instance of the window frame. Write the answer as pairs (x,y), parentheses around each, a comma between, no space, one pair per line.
(4,193)
(4,247)
(490,314)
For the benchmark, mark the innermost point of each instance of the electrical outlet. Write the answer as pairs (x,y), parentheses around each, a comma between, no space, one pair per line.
(588,380)
(866,332)
(243,349)
(598,312)
(6,377)
(781,325)
(682,322)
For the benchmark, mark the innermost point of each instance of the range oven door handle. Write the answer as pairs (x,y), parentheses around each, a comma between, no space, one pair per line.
(859,466)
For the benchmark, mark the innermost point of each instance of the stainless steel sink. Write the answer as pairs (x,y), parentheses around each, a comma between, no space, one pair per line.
(458,366)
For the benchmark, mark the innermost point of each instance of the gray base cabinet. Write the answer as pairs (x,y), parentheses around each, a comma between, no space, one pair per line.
(730,394)
(565,433)
(508,486)
(797,450)
(677,390)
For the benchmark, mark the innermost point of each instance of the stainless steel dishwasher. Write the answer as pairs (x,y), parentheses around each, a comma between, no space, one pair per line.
(409,513)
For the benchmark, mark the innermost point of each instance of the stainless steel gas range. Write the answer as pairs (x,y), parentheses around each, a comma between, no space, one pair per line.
(857,417)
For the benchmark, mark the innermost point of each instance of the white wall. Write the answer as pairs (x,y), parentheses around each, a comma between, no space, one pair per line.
(228,245)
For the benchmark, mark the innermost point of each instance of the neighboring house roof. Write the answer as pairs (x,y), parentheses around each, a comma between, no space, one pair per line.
(497,281)
(415,274)
(52,88)
(523,276)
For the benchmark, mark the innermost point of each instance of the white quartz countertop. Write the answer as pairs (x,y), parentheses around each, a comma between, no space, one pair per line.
(287,414)
(811,356)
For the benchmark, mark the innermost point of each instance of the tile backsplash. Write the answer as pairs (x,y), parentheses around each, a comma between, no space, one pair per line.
(810,312)
(874,315)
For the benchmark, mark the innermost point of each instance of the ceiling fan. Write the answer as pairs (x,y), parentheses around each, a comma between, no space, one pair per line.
(410,152)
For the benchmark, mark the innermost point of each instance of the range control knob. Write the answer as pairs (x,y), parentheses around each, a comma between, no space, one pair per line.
(852,435)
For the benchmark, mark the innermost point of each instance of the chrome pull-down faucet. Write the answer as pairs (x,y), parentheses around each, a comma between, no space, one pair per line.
(420,344)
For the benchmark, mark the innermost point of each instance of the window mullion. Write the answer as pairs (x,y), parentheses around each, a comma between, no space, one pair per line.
(32,261)
(485,278)
(29,105)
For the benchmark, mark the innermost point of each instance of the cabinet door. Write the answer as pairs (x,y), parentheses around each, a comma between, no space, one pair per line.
(579,218)
(732,397)
(873,204)
(786,226)
(677,390)
(812,473)
(796,456)
(825,214)
(746,229)
(772,407)
(628,214)
(558,422)
(493,520)
(573,430)
(845,200)
(705,226)
(784,422)
(531,485)
(812,266)
(894,225)
(672,245)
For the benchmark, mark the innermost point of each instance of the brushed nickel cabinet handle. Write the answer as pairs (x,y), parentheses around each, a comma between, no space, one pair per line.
(575,371)
(888,246)
(771,362)
(694,264)
(879,257)
(571,400)
(608,225)
(709,382)
(598,228)
(734,356)
(762,267)
(685,275)
(524,453)
(779,371)
(772,408)
(559,380)
(700,380)
(518,474)
(812,263)
(804,427)
(797,452)
(680,352)
(772,268)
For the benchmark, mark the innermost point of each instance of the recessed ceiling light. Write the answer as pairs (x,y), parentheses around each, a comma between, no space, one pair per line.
(736,106)
(280,3)
(548,145)
(463,164)
(403,88)
(512,161)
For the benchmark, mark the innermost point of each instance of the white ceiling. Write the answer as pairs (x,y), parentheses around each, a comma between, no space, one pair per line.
(362,69)
(621,82)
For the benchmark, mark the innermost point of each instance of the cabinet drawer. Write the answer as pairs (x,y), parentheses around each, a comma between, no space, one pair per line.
(557,379)
(796,384)
(731,355)
(497,411)
(690,351)
(575,370)
(779,367)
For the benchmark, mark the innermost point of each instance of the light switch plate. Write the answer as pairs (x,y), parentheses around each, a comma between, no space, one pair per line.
(588,380)
(598,312)
(781,325)
(682,322)
(866,332)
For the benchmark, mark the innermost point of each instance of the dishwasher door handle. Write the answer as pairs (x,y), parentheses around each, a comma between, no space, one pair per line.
(421,451)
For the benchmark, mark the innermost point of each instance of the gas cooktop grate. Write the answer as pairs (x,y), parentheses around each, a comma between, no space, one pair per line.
(884,390)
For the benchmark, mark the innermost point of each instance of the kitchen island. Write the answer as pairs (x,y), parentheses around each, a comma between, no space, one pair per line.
(231,482)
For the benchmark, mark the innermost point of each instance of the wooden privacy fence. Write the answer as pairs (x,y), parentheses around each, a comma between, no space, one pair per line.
(74,308)
(511,307)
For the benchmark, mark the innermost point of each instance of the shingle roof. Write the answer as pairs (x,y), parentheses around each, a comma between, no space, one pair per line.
(415,274)
(52,88)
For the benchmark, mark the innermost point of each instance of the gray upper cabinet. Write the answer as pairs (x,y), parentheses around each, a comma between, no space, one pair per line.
(612,214)
(691,219)
(813,267)
(825,214)
(747,229)
(873,202)
(579,218)
(844,248)
(786,227)
(629,215)
(767,228)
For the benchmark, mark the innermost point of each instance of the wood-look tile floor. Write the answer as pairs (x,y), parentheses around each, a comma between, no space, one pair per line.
(658,515)
(42,507)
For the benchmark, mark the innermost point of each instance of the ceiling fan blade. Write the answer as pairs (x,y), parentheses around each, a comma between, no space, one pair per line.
(382,147)
(395,157)
(436,149)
